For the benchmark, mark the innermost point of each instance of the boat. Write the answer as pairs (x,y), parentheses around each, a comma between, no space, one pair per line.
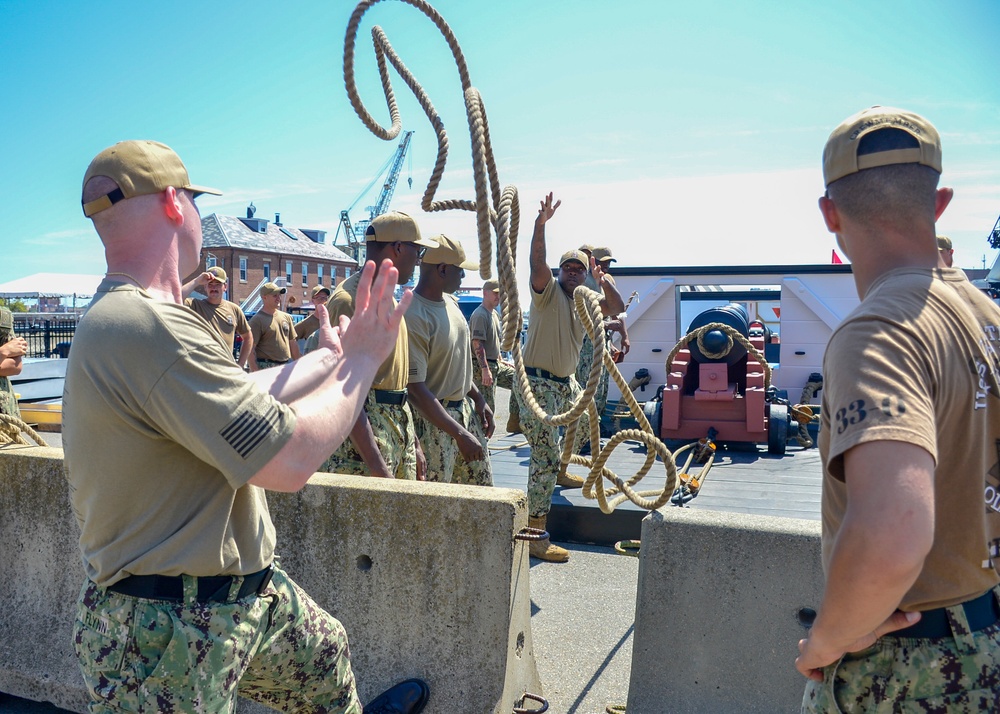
(41,379)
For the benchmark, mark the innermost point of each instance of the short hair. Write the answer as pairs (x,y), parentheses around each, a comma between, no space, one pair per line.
(887,193)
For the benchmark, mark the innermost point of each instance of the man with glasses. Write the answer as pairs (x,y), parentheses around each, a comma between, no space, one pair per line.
(383,441)
(453,420)
(551,353)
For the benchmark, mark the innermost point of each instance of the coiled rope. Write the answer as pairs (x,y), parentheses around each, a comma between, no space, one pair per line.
(500,210)
(12,430)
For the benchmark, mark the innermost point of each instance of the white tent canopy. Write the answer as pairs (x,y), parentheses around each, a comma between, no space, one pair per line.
(44,285)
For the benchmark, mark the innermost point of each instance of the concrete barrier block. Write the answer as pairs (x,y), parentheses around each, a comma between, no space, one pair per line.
(716,626)
(40,559)
(426,578)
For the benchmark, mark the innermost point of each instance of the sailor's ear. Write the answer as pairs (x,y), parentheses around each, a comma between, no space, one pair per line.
(831,216)
(172,207)
(941,200)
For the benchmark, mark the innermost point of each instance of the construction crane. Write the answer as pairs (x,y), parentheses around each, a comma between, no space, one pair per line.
(354,234)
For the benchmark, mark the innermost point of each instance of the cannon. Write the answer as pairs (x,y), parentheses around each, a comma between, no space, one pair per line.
(716,386)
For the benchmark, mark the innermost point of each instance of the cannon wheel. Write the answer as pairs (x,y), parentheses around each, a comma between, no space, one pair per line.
(777,428)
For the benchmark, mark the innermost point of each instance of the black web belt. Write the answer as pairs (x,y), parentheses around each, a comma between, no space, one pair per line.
(981,612)
(386,396)
(452,403)
(210,589)
(545,374)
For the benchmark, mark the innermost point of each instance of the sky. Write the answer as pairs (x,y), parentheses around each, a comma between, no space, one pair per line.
(676,133)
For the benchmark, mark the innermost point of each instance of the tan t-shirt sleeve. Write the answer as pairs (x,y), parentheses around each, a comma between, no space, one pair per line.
(876,388)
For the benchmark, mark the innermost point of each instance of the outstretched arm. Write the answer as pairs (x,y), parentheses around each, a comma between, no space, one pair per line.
(327,387)
(541,273)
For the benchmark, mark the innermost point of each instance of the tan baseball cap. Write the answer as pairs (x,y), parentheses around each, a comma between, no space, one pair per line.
(396,226)
(139,168)
(317,289)
(218,274)
(492,286)
(271,289)
(840,156)
(578,255)
(587,248)
(944,243)
(450,252)
(603,254)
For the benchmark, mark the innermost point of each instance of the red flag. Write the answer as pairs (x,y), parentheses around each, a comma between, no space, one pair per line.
(836,259)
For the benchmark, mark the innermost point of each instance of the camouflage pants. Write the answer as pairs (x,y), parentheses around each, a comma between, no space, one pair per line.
(444,460)
(8,401)
(953,674)
(280,649)
(583,374)
(393,429)
(546,441)
(503,376)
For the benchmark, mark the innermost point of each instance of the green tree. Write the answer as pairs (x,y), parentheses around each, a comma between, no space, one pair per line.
(15,305)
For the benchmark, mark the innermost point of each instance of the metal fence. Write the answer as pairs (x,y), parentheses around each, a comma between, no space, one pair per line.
(47,337)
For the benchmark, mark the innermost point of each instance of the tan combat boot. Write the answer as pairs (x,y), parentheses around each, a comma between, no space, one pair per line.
(543,549)
(513,424)
(568,480)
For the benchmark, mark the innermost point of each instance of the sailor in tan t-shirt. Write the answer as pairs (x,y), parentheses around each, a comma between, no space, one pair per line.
(224,316)
(169,448)
(910,427)
(551,353)
(273,331)
(453,419)
(384,440)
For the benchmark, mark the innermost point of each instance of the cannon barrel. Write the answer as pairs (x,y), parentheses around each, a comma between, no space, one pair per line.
(715,341)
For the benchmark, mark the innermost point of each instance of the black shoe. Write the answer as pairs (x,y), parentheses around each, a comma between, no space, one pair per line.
(409,697)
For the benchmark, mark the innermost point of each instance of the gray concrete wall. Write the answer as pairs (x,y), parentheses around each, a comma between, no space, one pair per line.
(425,577)
(716,626)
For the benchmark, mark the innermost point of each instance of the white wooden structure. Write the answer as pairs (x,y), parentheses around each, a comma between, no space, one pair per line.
(811,300)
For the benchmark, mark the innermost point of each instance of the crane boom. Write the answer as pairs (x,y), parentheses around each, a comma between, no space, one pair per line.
(354,235)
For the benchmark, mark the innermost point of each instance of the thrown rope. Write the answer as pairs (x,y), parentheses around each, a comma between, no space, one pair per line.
(500,210)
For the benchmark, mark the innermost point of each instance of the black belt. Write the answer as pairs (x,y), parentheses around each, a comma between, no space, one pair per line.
(545,374)
(272,361)
(452,404)
(981,612)
(385,396)
(210,589)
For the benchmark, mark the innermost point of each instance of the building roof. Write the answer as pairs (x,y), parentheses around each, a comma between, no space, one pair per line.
(42,285)
(231,232)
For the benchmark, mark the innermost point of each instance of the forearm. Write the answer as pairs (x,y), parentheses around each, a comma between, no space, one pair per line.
(479,349)
(10,367)
(540,271)
(872,567)
(246,349)
(363,439)
(325,415)
(189,287)
(296,380)
(612,304)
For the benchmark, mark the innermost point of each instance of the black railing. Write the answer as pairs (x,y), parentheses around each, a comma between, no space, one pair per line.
(46,337)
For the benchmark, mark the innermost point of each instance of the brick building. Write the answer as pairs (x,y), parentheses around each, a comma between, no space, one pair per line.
(252,250)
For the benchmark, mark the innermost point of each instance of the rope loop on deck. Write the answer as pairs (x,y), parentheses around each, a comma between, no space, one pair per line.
(499,210)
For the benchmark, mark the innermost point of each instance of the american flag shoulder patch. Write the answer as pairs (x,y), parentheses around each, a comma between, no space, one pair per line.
(252,425)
